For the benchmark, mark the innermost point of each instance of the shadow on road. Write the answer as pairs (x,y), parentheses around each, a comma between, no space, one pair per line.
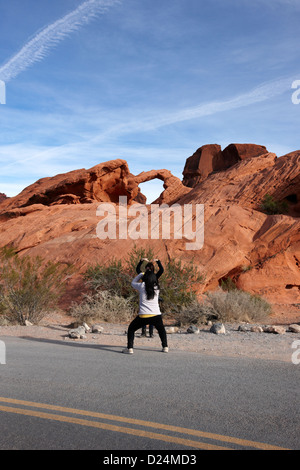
(104,347)
(75,345)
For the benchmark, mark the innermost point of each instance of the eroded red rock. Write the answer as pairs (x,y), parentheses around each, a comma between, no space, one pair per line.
(3,197)
(210,158)
(56,218)
(103,183)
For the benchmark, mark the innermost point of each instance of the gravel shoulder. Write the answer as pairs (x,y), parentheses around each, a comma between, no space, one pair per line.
(267,346)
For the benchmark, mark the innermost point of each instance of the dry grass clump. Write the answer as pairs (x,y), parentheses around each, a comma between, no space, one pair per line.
(238,305)
(195,313)
(103,306)
(226,306)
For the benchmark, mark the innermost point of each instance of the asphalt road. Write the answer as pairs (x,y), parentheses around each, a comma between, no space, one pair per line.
(62,395)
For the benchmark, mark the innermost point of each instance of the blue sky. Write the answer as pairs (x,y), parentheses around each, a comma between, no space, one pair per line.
(145,80)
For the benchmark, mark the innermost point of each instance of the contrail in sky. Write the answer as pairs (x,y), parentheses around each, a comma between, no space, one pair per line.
(263,92)
(39,46)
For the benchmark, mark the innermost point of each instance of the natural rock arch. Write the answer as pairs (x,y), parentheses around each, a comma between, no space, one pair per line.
(173,187)
(102,183)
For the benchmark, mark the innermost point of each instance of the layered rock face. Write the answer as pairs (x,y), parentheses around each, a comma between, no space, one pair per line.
(173,187)
(249,180)
(2,197)
(204,161)
(210,158)
(104,183)
(56,218)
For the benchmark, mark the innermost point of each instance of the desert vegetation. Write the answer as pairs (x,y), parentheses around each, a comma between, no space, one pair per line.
(103,306)
(29,287)
(111,297)
(270,205)
(225,306)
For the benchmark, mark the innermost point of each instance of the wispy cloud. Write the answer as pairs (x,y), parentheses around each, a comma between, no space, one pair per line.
(39,46)
(123,125)
(274,3)
(264,92)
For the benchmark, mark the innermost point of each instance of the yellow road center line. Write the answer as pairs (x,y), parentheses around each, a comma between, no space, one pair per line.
(166,427)
(110,427)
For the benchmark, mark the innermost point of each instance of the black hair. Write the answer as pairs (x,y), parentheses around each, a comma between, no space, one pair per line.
(151,284)
(149,267)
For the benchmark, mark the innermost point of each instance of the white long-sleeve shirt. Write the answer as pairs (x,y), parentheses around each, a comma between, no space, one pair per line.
(146,307)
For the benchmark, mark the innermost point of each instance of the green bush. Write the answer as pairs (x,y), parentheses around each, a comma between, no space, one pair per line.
(270,206)
(227,284)
(135,255)
(112,278)
(115,278)
(29,288)
(176,283)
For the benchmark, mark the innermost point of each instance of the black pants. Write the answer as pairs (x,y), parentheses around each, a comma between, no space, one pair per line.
(150,330)
(139,322)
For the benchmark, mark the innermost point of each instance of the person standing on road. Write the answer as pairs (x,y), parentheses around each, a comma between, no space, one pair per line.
(149,310)
(150,267)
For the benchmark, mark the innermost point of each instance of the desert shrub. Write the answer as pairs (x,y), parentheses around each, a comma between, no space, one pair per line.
(103,306)
(270,206)
(227,306)
(29,287)
(246,268)
(237,305)
(112,278)
(135,255)
(195,313)
(227,284)
(115,278)
(176,284)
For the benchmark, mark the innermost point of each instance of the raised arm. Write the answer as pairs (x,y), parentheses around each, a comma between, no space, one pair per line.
(160,270)
(138,268)
(135,282)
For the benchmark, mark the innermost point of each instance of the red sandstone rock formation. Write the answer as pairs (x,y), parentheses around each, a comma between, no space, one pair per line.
(210,158)
(236,152)
(260,252)
(248,181)
(203,162)
(173,187)
(56,219)
(3,197)
(103,183)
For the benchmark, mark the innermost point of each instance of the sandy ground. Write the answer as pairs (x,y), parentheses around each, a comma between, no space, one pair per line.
(269,346)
